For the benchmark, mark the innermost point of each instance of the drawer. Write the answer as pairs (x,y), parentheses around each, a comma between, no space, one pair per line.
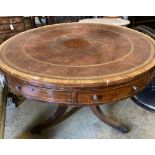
(108,95)
(131,89)
(13,19)
(95,97)
(40,93)
(45,94)
(16,28)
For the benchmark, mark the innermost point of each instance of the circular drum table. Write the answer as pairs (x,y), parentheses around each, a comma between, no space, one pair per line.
(78,64)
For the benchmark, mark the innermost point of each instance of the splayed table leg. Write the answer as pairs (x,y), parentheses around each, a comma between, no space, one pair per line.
(98,112)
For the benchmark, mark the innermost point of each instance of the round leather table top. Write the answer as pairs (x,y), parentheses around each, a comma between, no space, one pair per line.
(77,54)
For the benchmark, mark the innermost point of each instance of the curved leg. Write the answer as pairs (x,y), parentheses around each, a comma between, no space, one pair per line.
(53,119)
(98,112)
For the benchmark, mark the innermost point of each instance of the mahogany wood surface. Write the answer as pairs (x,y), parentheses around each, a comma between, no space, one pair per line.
(78,63)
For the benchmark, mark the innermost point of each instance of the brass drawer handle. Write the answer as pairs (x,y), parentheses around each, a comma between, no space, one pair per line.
(135,88)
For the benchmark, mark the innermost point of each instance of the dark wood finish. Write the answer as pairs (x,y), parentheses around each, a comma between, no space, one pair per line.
(107,120)
(10,26)
(53,119)
(13,19)
(78,64)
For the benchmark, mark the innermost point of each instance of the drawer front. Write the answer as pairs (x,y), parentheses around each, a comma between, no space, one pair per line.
(132,88)
(45,94)
(7,29)
(12,19)
(95,97)
(109,95)
(40,93)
